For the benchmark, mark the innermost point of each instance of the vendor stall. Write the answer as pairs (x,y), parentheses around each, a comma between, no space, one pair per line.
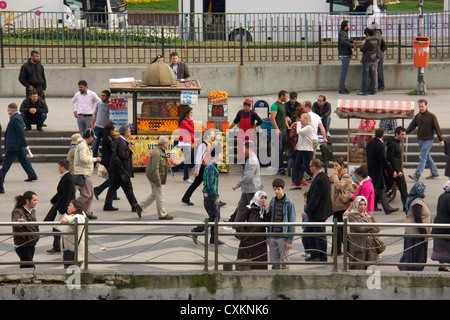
(369,110)
(154,111)
(218,120)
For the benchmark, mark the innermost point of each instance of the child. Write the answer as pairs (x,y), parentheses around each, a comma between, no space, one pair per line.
(210,197)
(282,209)
(74,211)
(305,219)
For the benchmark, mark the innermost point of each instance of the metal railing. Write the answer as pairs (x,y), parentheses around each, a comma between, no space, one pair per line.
(145,246)
(207,38)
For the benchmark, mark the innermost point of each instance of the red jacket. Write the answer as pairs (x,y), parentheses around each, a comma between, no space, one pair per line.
(186,125)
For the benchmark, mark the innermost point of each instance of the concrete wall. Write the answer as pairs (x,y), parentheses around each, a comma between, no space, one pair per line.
(248,80)
(227,286)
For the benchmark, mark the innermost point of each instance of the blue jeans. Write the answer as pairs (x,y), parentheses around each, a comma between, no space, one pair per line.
(184,164)
(380,73)
(368,71)
(425,158)
(326,124)
(345,62)
(99,132)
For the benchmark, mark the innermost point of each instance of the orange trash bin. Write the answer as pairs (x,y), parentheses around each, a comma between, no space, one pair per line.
(421,49)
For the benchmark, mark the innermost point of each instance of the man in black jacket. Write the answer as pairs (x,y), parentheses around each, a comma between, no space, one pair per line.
(377,164)
(121,169)
(318,209)
(65,192)
(32,75)
(345,49)
(370,50)
(395,158)
(34,111)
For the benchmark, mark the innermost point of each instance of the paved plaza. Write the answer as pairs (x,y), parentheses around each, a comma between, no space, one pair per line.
(61,118)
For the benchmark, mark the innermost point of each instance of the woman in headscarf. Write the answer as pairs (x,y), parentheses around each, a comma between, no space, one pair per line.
(254,248)
(415,248)
(441,246)
(361,248)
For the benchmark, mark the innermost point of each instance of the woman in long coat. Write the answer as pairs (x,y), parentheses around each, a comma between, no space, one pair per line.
(441,246)
(339,180)
(254,248)
(415,248)
(361,248)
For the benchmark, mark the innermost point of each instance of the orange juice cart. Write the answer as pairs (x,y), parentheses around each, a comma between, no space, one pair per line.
(154,111)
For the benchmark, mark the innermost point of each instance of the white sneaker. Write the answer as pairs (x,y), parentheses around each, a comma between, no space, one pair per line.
(229,229)
(188,181)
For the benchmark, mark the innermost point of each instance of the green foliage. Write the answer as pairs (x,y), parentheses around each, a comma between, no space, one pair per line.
(413,6)
(169,5)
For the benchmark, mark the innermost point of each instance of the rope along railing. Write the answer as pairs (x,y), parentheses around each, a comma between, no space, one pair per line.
(170,243)
(204,38)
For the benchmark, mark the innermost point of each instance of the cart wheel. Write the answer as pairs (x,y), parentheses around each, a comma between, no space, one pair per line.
(391,193)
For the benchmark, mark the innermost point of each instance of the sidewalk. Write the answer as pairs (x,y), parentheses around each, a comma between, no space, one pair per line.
(61,118)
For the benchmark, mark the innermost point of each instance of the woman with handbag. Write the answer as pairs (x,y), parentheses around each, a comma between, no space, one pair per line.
(340,181)
(254,248)
(415,248)
(361,248)
(74,211)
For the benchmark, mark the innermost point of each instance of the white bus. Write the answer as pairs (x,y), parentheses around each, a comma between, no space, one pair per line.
(257,20)
(67,13)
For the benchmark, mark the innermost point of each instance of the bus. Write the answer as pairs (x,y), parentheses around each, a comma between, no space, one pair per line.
(72,14)
(256,20)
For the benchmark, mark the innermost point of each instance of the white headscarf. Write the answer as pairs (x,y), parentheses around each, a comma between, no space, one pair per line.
(353,208)
(254,203)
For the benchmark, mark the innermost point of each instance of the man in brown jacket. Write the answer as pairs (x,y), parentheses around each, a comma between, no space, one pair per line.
(24,212)
(156,171)
(426,124)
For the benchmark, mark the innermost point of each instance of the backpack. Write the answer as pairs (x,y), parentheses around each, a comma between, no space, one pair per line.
(327,151)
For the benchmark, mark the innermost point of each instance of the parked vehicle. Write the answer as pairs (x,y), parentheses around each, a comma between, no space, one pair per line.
(72,14)
(261,21)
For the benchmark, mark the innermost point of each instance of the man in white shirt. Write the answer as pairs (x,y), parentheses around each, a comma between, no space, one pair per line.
(83,106)
(316,123)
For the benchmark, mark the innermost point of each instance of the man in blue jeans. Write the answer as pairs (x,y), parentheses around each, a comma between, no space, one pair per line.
(426,123)
(345,49)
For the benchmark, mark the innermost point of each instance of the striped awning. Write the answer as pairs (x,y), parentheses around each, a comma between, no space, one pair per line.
(375,109)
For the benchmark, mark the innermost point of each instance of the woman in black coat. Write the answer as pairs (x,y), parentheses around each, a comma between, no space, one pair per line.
(107,144)
(254,248)
(441,246)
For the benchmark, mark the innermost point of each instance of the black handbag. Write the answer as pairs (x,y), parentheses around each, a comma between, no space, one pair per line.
(79,179)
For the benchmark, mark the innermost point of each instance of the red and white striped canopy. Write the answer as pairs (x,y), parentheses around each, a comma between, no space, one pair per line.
(375,109)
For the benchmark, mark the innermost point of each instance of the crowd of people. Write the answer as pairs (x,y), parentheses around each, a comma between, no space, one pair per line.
(299,127)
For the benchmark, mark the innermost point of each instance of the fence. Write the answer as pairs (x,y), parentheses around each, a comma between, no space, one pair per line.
(145,247)
(208,38)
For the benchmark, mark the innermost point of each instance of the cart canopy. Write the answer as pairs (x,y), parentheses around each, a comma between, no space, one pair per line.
(375,109)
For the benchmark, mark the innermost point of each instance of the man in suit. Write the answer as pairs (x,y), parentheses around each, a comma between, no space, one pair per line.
(65,191)
(121,169)
(318,209)
(377,164)
(15,144)
(180,68)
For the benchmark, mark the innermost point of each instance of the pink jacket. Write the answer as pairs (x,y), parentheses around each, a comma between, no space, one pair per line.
(366,189)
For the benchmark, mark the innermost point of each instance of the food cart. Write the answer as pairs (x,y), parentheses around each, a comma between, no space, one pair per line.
(154,111)
(374,110)
(218,120)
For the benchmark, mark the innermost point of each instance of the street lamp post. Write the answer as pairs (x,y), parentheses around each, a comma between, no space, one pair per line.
(421,88)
